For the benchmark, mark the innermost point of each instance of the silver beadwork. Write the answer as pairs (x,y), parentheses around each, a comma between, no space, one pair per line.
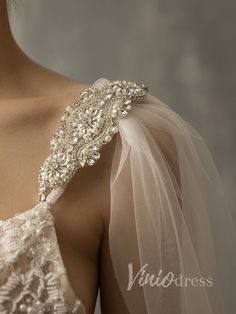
(86,125)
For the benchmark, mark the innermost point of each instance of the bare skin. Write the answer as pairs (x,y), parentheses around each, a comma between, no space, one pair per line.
(32,100)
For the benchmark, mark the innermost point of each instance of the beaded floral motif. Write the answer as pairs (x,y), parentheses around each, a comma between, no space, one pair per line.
(85,126)
(31,266)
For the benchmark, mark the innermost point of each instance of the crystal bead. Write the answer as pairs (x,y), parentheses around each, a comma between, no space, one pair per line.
(69,148)
(127,102)
(60,156)
(75,124)
(90,120)
(95,147)
(107,138)
(82,162)
(114,129)
(68,109)
(95,155)
(84,95)
(63,118)
(114,112)
(74,140)
(41,189)
(107,97)
(90,162)
(101,103)
(53,143)
(124,113)
(81,131)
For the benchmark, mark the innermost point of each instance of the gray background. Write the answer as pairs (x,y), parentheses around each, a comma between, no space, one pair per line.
(184,50)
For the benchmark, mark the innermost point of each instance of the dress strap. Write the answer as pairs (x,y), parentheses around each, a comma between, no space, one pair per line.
(87,125)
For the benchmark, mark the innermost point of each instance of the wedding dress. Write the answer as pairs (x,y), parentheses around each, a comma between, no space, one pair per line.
(168,213)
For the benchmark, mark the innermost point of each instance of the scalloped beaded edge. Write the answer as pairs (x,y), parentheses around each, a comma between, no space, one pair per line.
(86,125)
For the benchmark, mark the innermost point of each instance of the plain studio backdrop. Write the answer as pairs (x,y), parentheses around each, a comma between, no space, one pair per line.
(184,50)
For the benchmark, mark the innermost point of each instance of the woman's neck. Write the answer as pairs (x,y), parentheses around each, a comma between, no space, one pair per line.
(12,59)
(19,74)
(11,56)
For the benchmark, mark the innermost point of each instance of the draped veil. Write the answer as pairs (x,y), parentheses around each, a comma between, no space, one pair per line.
(168,217)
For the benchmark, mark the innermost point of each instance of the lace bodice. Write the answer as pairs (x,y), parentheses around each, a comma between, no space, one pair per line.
(33,278)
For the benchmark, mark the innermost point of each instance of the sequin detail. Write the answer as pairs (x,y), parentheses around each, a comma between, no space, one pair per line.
(86,125)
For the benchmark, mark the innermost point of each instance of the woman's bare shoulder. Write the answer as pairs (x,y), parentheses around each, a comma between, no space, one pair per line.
(32,79)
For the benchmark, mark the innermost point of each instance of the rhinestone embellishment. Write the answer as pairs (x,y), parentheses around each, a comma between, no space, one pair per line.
(86,125)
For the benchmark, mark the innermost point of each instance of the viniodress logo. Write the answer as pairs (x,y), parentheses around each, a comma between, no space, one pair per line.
(142,278)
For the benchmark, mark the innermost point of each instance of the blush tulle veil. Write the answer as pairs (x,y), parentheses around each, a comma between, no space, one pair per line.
(172,238)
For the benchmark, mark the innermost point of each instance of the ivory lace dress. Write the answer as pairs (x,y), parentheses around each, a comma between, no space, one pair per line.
(166,223)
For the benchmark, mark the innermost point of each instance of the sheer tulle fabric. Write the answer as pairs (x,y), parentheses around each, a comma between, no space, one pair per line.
(168,215)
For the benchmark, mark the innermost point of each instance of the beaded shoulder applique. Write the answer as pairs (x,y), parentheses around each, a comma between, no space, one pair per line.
(86,125)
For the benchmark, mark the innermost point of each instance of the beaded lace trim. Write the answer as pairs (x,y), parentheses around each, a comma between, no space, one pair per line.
(85,126)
